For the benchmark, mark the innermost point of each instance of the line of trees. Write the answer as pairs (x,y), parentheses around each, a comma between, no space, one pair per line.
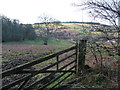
(12,30)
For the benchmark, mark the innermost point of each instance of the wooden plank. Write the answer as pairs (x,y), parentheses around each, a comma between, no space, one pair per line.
(54,80)
(57,61)
(33,74)
(61,80)
(49,75)
(21,86)
(38,82)
(40,71)
(49,71)
(69,63)
(15,82)
(36,61)
(77,50)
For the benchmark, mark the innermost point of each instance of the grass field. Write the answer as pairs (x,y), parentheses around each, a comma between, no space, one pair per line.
(28,50)
(80,28)
(52,42)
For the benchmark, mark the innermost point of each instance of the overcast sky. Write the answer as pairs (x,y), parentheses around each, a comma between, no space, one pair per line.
(28,11)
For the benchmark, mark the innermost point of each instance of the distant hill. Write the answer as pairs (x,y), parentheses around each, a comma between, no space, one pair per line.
(77,26)
(95,23)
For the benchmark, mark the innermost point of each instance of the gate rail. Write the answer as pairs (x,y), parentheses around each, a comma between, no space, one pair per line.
(31,73)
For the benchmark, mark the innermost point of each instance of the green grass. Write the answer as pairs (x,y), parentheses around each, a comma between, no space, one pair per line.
(37,42)
(57,42)
(52,42)
(36,30)
(52,84)
(5,60)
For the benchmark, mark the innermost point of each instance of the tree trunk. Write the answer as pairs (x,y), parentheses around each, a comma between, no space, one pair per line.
(45,42)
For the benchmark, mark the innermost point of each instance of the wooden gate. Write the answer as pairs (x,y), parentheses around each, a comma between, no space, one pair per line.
(74,60)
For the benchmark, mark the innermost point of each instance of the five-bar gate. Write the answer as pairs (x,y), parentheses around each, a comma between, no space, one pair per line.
(65,66)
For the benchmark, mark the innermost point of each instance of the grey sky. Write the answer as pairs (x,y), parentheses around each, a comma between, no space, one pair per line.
(27,11)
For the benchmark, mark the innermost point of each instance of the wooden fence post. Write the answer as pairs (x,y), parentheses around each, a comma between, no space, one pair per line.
(57,61)
(81,55)
(77,50)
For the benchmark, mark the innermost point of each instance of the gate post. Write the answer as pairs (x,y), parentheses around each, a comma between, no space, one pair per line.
(81,55)
(77,50)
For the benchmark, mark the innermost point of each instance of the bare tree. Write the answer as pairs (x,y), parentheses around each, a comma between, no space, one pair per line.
(47,27)
(108,10)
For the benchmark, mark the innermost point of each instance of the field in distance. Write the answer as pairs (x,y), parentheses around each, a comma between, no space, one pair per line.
(16,53)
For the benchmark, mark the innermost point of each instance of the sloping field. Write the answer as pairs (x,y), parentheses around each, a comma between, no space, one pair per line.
(13,55)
